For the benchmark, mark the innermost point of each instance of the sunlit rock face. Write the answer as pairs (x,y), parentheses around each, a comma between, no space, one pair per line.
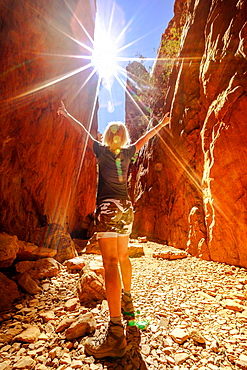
(137,111)
(191,182)
(46,173)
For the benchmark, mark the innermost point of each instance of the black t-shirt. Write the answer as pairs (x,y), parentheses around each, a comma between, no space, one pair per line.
(113,171)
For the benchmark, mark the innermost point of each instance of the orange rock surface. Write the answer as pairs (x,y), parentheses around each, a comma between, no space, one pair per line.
(46,173)
(191,182)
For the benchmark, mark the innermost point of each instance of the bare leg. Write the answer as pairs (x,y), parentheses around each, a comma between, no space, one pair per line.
(109,251)
(125,265)
(114,344)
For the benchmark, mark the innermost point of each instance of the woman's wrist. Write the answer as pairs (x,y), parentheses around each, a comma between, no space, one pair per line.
(66,113)
(162,123)
(165,121)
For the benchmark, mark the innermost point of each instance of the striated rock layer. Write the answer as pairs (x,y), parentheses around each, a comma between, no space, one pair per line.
(44,163)
(192,180)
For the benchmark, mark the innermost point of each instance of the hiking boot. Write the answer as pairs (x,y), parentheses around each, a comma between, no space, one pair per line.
(127,305)
(113,344)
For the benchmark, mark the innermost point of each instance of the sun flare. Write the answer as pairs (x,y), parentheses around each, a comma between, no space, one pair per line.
(104,55)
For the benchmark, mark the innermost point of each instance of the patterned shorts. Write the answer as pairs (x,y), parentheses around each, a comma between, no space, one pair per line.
(114,218)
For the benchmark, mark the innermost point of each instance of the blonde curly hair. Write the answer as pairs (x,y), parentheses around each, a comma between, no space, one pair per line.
(116,136)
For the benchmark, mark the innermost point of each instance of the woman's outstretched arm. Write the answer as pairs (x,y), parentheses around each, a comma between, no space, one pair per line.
(149,134)
(77,125)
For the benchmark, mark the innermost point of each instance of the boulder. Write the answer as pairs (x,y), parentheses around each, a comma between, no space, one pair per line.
(30,251)
(92,246)
(85,325)
(9,292)
(179,335)
(25,362)
(170,254)
(28,284)
(231,304)
(90,287)
(71,304)
(135,250)
(197,336)
(97,267)
(30,335)
(64,324)
(8,249)
(54,237)
(45,267)
(76,263)
(11,333)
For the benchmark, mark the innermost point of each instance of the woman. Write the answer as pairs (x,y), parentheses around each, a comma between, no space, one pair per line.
(114,218)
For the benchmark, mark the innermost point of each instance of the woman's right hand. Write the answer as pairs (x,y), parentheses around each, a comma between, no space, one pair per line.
(62,110)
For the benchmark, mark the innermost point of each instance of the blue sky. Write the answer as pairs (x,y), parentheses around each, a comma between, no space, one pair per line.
(146,22)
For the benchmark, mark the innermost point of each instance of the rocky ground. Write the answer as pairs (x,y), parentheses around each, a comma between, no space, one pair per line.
(197,313)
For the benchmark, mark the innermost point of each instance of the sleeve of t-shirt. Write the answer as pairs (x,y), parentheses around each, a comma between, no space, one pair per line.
(131,151)
(96,148)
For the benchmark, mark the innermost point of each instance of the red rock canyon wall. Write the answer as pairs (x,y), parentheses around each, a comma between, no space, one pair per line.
(46,171)
(192,181)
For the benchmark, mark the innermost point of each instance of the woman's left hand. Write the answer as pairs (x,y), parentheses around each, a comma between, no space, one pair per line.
(166,119)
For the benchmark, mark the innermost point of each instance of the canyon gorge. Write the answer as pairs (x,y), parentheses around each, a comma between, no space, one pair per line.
(188,183)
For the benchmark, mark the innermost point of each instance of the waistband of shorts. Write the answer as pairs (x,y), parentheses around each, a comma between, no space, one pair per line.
(109,234)
(118,202)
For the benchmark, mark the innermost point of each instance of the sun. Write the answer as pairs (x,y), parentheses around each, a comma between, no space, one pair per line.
(104,55)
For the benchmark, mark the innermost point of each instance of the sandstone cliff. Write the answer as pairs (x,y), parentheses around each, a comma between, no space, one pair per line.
(192,180)
(44,166)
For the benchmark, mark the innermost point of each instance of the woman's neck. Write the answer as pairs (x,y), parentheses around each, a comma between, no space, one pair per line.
(114,148)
